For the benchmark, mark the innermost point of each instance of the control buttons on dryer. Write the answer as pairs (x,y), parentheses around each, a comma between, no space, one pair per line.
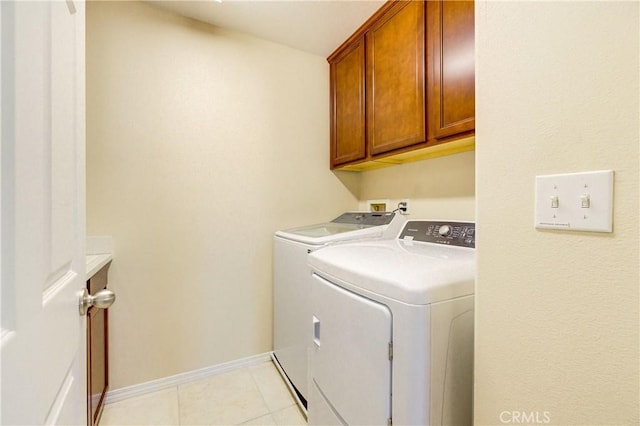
(461,234)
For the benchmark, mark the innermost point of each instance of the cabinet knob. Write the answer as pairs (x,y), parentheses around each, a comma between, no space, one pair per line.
(101,300)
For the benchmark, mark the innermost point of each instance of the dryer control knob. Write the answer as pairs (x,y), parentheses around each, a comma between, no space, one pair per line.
(444,230)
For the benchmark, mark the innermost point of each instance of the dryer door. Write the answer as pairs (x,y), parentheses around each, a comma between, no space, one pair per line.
(350,362)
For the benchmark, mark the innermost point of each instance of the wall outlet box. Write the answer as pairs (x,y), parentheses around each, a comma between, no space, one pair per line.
(575,201)
(404,206)
(378,205)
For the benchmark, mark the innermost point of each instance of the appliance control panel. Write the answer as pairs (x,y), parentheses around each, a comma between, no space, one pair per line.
(461,234)
(365,218)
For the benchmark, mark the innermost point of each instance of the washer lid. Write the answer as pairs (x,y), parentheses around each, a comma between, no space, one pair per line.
(411,272)
(348,226)
(324,229)
(365,218)
(323,233)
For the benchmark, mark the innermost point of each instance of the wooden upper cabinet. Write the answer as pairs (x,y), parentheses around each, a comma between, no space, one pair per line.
(451,68)
(396,108)
(347,72)
(404,83)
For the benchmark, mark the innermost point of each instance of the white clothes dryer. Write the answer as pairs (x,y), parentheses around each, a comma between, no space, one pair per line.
(292,284)
(392,332)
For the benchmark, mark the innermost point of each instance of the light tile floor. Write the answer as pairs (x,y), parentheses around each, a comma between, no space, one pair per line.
(254,395)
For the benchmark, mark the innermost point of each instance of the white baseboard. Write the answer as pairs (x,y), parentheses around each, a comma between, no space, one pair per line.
(180,379)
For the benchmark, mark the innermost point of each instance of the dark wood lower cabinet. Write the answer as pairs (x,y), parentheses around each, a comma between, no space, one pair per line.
(97,351)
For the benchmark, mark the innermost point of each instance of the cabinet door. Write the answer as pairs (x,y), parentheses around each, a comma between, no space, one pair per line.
(451,68)
(97,350)
(396,79)
(97,367)
(347,105)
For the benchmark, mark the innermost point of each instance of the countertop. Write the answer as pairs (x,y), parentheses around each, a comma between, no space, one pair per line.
(95,262)
(99,253)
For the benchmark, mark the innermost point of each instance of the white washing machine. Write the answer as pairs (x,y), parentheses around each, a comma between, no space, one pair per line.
(292,284)
(393,328)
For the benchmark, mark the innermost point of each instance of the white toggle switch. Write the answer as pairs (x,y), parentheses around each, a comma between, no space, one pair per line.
(578,191)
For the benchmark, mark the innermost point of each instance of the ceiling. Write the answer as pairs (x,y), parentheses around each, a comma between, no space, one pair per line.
(314,26)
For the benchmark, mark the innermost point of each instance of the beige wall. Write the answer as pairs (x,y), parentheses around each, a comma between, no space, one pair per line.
(557,312)
(200,144)
(439,188)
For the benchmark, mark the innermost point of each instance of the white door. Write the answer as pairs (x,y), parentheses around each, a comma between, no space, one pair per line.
(42,212)
(350,361)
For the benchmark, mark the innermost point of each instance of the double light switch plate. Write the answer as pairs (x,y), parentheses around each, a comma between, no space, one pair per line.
(575,201)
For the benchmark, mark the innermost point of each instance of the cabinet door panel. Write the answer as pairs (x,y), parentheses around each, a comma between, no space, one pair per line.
(97,362)
(451,67)
(347,105)
(396,79)
(97,350)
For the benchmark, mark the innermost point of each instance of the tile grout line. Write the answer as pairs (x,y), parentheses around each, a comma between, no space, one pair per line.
(264,400)
(182,378)
(261,381)
(271,413)
(289,386)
